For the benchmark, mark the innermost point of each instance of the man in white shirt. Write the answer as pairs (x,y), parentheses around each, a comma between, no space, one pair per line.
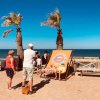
(29,55)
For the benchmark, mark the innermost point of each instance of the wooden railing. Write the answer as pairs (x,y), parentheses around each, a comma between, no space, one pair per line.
(87,64)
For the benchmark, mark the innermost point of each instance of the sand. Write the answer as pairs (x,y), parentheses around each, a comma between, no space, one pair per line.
(75,88)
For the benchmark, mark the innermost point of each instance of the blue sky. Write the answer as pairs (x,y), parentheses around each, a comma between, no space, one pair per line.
(80,23)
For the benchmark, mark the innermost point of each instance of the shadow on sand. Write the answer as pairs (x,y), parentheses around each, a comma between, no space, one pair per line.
(19,85)
(36,87)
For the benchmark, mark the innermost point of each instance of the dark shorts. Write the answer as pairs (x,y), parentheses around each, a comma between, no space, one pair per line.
(10,72)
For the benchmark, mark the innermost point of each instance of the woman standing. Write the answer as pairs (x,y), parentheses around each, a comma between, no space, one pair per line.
(45,58)
(10,68)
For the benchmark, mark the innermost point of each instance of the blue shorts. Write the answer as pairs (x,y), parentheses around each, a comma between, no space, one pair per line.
(10,72)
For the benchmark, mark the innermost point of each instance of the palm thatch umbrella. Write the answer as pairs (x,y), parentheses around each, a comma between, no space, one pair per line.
(15,19)
(54,21)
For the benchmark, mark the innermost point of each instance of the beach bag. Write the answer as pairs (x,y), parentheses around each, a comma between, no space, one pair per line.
(25,90)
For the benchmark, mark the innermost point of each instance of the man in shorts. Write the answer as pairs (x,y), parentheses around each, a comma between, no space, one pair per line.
(28,69)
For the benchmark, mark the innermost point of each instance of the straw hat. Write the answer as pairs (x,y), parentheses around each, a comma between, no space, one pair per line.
(11,52)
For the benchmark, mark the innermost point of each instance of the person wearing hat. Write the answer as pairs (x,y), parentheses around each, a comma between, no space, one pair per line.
(29,55)
(10,68)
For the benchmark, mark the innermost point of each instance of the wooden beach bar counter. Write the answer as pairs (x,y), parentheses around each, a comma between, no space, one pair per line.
(87,65)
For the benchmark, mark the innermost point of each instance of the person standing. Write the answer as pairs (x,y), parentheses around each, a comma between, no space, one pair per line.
(10,68)
(28,67)
(39,62)
(45,58)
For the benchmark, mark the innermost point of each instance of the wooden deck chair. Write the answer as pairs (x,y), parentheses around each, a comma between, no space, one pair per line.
(59,57)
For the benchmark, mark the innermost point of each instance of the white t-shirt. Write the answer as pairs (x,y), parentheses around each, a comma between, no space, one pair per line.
(28,58)
(38,60)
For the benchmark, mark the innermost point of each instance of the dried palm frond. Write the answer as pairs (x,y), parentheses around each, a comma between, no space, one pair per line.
(16,18)
(7,22)
(12,19)
(7,32)
(53,20)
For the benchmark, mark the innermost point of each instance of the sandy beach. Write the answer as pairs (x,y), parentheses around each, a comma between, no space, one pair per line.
(75,88)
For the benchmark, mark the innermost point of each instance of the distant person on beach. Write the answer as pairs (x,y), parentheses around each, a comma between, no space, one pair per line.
(49,70)
(35,58)
(37,54)
(28,67)
(39,62)
(45,58)
(10,68)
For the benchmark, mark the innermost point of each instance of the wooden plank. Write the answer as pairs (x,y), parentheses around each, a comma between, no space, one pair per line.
(87,60)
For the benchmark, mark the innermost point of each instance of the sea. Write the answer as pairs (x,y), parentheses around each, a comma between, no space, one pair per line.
(75,53)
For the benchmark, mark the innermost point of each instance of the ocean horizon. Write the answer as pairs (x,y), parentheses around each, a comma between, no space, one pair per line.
(75,53)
